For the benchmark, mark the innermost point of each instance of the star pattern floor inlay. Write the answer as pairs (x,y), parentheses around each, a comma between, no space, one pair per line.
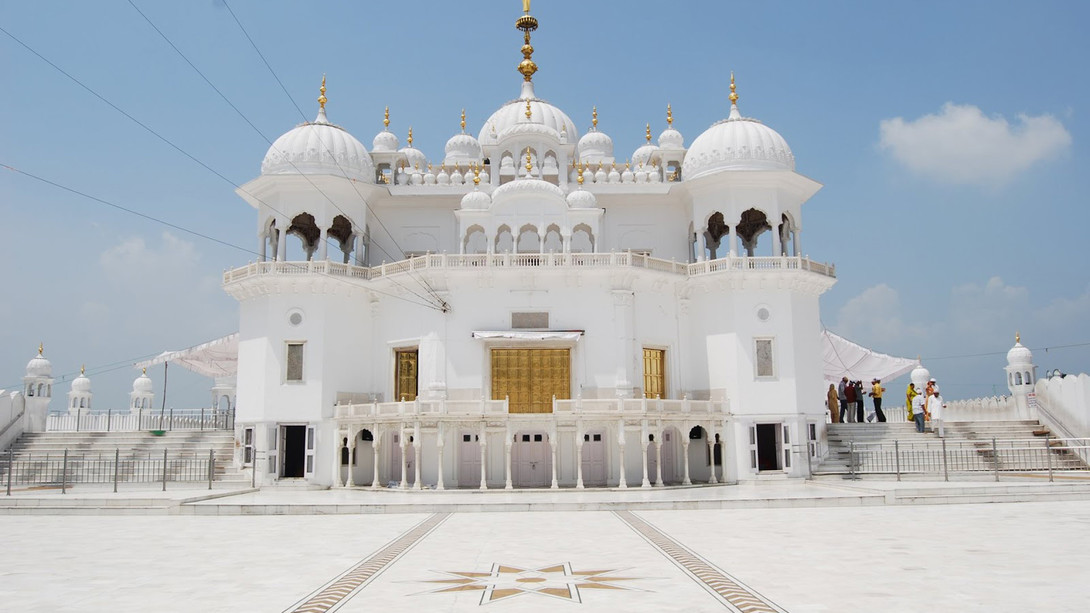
(504,581)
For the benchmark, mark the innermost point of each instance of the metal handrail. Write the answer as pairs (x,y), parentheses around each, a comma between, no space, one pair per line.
(139,466)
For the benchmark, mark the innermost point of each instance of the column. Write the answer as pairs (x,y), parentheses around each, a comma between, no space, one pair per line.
(375,483)
(281,245)
(643,445)
(507,461)
(701,245)
(264,240)
(622,482)
(351,481)
(404,465)
(685,456)
(439,448)
(732,237)
(552,446)
(337,461)
(323,244)
(777,247)
(579,461)
(658,461)
(417,448)
(484,458)
(711,456)
(795,242)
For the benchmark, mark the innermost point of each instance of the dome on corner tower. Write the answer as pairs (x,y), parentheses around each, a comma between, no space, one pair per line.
(38,366)
(737,143)
(318,148)
(1019,354)
(142,384)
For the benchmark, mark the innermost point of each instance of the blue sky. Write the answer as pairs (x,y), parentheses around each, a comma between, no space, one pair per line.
(948,137)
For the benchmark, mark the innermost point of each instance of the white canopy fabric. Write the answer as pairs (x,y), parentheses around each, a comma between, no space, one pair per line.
(844,358)
(218,358)
(531,335)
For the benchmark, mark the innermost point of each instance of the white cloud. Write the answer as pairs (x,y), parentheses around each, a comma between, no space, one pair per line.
(961,145)
(874,318)
(134,261)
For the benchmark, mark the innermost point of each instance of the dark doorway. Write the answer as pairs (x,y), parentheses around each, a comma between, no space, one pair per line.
(768,452)
(294,451)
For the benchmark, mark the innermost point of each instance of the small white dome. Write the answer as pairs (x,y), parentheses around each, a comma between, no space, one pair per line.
(737,143)
(643,155)
(142,385)
(81,384)
(920,376)
(415,159)
(476,200)
(1019,355)
(671,139)
(463,149)
(318,148)
(38,366)
(594,147)
(385,141)
(525,185)
(582,199)
(513,112)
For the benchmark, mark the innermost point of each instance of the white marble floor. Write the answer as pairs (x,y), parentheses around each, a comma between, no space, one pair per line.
(971,557)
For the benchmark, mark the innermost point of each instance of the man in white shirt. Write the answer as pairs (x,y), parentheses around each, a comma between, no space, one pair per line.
(936,406)
(917,411)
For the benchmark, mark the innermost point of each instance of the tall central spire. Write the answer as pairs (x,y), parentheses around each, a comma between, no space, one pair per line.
(527,23)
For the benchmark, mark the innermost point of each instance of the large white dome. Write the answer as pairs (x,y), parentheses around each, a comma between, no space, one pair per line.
(737,143)
(318,148)
(514,112)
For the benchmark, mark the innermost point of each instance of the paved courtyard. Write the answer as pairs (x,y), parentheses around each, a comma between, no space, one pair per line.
(963,557)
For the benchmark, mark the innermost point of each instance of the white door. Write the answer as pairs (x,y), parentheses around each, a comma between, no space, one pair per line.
(469,465)
(529,460)
(669,456)
(594,459)
(395,460)
(309,462)
(785,446)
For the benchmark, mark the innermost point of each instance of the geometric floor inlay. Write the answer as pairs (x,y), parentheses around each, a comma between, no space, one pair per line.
(730,592)
(554,581)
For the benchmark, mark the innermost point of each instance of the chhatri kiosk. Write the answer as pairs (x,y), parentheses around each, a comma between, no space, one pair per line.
(531,310)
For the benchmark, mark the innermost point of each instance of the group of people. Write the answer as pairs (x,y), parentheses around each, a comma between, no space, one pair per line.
(845,401)
(926,406)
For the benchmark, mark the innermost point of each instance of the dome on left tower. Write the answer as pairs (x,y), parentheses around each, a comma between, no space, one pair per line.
(319,148)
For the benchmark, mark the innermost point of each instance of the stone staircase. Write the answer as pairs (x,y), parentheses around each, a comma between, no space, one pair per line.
(38,457)
(886,448)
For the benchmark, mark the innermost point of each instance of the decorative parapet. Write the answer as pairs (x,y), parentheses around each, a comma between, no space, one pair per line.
(447,262)
(644,408)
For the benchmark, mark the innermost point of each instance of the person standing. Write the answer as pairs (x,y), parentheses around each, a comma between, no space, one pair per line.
(876,393)
(910,393)
(842,394)
(849,401)
(936,406)
(831,400)
(918,411)
(860,412)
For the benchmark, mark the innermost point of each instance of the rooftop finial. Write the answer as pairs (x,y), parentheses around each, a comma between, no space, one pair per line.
(1018,337)
(526,24)
(529,160)
(386,119)
(669,115)
(463,121)
(648,133)
(594,118)
(82,369)
(322,99)
(145,371)
(410,136)
(476,174)
(733,94)
(579,176)
(41,348)
(528,111)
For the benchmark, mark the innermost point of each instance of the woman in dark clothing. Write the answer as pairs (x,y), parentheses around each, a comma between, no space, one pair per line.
(849,405)
(859,410)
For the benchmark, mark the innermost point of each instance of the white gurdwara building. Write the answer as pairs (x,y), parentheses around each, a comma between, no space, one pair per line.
(529,311)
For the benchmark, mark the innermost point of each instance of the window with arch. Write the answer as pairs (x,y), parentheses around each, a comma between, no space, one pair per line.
(582,239)
(529,239)
(505,240)
(476,241)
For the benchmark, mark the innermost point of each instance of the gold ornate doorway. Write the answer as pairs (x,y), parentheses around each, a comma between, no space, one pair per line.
(531,377)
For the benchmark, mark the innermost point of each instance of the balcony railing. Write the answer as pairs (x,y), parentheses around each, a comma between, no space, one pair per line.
(442,261)
(124,421)
(382,411)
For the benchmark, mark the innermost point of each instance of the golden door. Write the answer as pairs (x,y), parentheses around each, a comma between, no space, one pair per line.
(654,373)
(531,377)
(406,375)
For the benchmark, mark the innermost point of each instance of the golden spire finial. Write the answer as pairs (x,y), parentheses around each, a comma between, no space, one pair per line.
(733,94)
(648,132)
(669,115)
(410,136)
(322,99)
(82,369)
(528,111)
(145,371)
(41,348)
(386,119)
(529,162)
(526,24)
(1018,337)
(463,121)
(476,175)
(594,118)
(626,164)
(579,175)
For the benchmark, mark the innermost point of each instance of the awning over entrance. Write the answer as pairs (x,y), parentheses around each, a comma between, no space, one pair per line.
(218,358)
(530,335)
(844,358)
